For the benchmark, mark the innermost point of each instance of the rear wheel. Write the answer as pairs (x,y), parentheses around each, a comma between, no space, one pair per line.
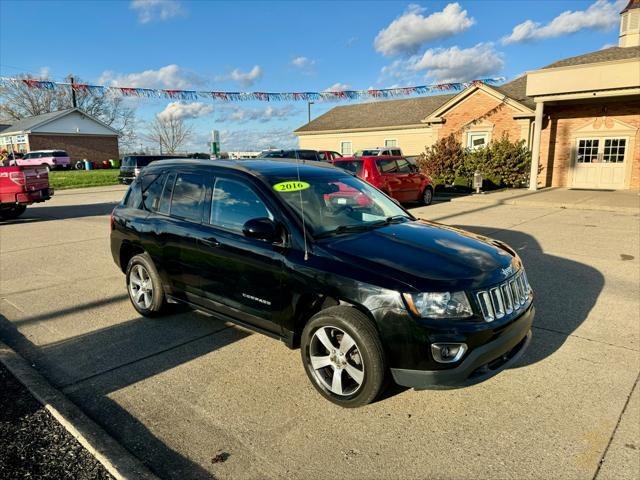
(14,211)
(343,356)
(47,166)
(145,286)
(427,196)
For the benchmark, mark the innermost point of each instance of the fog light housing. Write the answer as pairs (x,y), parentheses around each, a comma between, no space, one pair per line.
(448,352)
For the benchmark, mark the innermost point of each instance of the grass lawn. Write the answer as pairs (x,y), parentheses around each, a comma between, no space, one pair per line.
(61,180)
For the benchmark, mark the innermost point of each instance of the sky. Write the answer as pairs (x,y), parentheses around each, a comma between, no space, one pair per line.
(289,46)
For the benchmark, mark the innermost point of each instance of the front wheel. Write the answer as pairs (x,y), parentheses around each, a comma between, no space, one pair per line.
(47,166)
(144,286)
(427,196)
(343,357)
(14,211)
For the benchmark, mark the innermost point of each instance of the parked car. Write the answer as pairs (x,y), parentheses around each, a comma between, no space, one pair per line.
(379,151)
(131,165)
(328,155)
(316,257)
(50,159)
(20,187)
(395,176)
(295,154)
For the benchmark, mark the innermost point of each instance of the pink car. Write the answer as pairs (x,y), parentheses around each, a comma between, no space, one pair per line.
(47,158)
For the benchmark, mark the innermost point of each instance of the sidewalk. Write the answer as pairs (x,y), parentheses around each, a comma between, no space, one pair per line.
(624,201)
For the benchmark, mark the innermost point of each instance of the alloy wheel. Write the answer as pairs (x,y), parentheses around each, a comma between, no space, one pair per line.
(336,361)
(141,287)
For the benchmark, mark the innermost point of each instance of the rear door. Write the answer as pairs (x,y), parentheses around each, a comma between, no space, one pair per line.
(391,181)
(411,180)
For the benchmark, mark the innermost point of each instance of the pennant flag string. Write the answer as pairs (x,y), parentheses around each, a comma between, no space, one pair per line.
(336,95)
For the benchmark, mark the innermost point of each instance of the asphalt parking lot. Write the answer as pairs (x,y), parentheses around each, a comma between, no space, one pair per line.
(180,390)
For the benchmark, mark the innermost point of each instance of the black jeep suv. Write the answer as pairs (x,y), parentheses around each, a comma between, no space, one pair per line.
(314,256)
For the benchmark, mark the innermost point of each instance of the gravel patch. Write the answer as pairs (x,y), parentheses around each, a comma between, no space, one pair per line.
(33,444)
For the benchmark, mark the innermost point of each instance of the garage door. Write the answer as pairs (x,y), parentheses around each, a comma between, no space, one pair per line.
(600,163)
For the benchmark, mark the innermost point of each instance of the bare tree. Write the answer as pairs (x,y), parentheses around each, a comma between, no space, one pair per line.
(169,132)
(18,100)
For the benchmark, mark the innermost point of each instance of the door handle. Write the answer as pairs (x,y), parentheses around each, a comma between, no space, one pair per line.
(209,242)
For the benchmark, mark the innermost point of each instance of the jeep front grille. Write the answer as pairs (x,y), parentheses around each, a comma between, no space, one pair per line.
(504,299)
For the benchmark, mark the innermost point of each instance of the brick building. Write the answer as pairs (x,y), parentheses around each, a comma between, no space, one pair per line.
(71,130)
(580,117)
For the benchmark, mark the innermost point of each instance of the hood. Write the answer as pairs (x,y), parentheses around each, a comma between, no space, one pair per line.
(427,256)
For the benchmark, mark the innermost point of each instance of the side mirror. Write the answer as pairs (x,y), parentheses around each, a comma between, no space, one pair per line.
(261,229)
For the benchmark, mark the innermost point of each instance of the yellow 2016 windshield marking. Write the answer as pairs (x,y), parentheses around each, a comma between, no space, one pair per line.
(292,186)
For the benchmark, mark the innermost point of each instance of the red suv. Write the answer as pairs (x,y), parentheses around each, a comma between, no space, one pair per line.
(395,176)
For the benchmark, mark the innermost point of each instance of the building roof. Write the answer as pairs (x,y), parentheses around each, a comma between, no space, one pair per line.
(517,90)
(605,55)
(631,5)
(28,123)
(387,113)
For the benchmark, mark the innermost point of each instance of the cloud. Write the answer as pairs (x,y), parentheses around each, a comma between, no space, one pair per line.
(151,10)
(601,15)
(410,30)
(255,140)
(448,64)
(44,73)
(338,87)
(169,77)
(245,79)
(302,62)
(351,41)
(237,114)
(182,110)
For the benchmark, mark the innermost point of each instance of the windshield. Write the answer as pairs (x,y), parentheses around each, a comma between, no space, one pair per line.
(368,153)
(337,203)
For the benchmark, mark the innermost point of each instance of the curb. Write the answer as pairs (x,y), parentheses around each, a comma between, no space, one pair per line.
(528,203)
(114,457)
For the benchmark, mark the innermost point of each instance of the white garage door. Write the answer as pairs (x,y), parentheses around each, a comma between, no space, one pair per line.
(600,163)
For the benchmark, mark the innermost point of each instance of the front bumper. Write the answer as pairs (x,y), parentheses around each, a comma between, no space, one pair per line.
(480,364)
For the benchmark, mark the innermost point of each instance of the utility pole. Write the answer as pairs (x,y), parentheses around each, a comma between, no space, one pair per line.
(73,92)
(309,110)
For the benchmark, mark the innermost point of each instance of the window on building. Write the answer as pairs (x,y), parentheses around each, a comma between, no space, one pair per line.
(614,149)
(233,204)
(391,143)
(588,150)
(477,140)
(346,148)
(188,195)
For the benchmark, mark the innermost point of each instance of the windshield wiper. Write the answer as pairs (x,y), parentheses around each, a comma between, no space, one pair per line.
(362,227)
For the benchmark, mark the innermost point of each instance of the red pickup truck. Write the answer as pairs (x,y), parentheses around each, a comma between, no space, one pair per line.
(20,187)
(395,176)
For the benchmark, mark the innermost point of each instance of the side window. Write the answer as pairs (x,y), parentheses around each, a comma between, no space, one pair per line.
(233,203)
(134,196)
(403,166)
(165,199)
(396,153)
(323,156)
(152,190)
(387,166)
(188,195)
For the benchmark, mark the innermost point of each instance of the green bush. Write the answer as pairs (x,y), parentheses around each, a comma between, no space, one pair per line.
(502,163)
(441,160)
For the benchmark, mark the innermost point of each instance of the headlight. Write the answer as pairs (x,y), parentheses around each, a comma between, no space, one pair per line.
(439,304)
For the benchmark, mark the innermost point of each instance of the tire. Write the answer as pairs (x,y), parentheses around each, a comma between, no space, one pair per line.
(142,276)
(427,196)
(47,166)
(362,368)
(14,211)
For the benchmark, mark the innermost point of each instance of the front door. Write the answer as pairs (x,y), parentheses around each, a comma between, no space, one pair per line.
(240,276)
(600,163)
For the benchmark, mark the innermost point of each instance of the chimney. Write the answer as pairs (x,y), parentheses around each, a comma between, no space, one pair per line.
(630,25)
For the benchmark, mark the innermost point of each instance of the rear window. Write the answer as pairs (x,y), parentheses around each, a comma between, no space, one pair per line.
(305,155)
(354,166)
(152,186)
(387,165)
(167,191)
(60,153)
(368,153)
(134,196)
